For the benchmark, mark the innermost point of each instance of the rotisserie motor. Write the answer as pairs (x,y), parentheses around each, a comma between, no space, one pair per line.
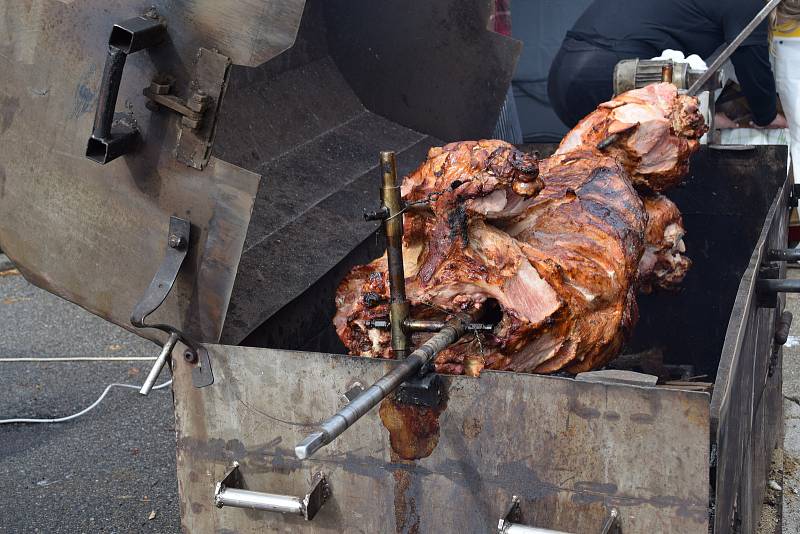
(554,251)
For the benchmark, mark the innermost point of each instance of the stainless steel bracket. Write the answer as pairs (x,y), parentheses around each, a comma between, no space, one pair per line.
(231,492)
(511,522)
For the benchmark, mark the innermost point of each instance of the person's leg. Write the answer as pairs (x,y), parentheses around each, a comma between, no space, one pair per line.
(787,78)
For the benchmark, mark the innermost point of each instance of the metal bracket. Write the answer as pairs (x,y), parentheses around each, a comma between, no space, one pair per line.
(210,79)
(164,279)
(511,522)
(423,390)
(231,492)
(176,250)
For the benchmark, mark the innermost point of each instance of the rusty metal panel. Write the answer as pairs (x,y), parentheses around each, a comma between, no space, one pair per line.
(569,449)
(746,408)
(94,234)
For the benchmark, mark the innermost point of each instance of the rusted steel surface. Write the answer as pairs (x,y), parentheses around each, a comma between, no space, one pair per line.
(95,234)
(569,449)
(746,408)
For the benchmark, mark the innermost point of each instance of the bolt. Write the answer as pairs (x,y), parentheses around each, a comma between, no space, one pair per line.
(198,101)
(160,86)
(190,356)
(176,241)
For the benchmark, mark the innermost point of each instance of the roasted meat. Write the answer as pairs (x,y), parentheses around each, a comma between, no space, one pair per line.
(654,130)
(664,263)
(549,250)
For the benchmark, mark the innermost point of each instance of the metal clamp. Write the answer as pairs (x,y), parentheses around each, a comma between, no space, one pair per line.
(126,37)
(510,523)
(231,492)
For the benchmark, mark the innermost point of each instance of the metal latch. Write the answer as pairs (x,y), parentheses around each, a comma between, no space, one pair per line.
(198,110)
(176,250)
(510,523)
(231,492)
(191,110)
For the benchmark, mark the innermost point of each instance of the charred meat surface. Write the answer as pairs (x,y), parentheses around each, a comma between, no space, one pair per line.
(552,250)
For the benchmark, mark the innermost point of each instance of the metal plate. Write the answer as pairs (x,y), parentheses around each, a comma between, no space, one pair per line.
(95,234)
(363,76)
(746,407)
(569,449)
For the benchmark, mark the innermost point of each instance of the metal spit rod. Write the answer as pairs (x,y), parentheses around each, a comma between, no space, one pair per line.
(344,418)
(697,86)
(399,307)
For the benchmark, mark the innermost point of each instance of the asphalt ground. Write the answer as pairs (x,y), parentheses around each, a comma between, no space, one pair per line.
(112,470)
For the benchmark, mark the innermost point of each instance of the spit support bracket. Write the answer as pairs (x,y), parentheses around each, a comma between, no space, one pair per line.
(511,523)
(231,492)
(199,110)
(425,389)
(177,247)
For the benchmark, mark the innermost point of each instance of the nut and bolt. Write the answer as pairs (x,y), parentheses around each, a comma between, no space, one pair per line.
(161,85)
(176,241)
(190,356)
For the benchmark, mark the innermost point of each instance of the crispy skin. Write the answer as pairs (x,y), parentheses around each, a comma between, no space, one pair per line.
(549,249)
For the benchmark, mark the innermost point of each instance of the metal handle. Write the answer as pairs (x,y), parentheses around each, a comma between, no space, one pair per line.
(783,254)
(126,38)
(777,285)
(166,351)
(229,492)
(510,523)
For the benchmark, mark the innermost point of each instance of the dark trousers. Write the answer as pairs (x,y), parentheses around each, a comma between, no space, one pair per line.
(581,77)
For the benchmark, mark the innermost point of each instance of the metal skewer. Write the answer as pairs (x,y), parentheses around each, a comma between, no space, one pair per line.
(344,418)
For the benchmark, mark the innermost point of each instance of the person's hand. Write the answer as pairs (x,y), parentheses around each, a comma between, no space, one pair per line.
(777,123)
(723,122)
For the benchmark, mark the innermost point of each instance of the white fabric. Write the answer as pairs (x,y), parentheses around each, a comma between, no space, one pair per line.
(787,78)
(694,61)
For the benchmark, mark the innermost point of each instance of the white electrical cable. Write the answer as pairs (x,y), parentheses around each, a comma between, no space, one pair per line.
(82,412)
(81,359)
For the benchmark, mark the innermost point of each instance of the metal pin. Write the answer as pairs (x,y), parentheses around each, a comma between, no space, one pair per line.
(152,376)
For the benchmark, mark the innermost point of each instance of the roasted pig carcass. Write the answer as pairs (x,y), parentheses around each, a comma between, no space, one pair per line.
(549,250)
